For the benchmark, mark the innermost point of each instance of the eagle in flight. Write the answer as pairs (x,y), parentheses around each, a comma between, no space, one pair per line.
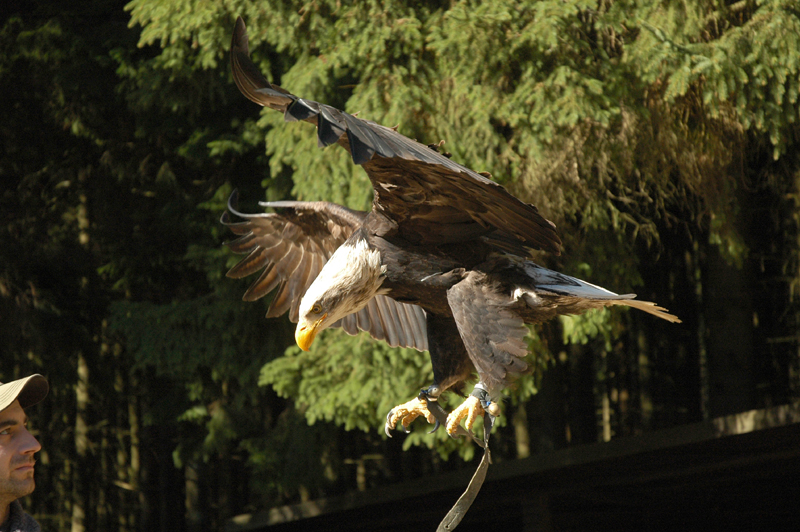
(442,261)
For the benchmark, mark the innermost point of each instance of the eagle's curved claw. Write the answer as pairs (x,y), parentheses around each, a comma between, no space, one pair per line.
(406,413)
(386,426)
(435,427)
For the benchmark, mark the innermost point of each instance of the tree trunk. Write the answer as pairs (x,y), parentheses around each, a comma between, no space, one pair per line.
(80,478)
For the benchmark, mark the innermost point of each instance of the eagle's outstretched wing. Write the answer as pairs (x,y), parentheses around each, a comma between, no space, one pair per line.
(430,198)
(291,245)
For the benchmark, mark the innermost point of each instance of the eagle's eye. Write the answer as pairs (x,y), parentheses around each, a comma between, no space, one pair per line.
(316,309)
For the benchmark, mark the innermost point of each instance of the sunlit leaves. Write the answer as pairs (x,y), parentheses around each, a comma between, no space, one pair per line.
(353,381)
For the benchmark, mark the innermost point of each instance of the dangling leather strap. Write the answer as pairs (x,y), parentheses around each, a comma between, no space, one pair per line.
(457,512)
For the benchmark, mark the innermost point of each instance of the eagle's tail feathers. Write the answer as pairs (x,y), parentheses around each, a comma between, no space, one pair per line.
(568,295)
(650,308)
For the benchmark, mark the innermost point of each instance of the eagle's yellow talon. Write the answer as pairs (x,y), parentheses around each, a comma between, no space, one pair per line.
(407,413)
(470,409)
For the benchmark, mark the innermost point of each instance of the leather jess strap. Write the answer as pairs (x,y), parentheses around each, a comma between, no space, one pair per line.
(457,512)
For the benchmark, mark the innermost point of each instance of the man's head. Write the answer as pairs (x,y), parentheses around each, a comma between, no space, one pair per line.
(17,445)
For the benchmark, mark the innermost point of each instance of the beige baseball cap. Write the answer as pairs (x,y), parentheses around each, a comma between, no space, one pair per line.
(29,391)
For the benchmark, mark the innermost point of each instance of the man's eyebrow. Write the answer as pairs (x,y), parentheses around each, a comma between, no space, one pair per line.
(8,423)
(11,423)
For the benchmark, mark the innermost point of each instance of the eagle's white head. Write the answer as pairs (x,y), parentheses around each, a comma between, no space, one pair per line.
(351,277)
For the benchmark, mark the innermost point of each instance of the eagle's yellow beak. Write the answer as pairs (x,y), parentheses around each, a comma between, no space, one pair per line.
(306,332)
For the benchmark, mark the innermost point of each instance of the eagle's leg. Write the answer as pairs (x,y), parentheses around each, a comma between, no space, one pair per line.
(408,412)
(473,406)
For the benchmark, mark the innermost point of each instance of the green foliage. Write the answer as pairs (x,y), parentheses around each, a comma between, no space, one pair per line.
(184,336)
(740,57)
(350,380)
(293,456)
(586,327)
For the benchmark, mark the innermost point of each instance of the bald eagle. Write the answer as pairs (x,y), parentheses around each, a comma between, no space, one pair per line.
(442,261)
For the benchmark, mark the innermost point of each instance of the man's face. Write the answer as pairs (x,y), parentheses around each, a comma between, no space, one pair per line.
(17,447)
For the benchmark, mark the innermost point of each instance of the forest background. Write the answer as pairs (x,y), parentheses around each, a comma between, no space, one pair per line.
(661,137)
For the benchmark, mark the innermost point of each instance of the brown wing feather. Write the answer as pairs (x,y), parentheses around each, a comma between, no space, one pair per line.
(432,199)
(249,80)
(290,245)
